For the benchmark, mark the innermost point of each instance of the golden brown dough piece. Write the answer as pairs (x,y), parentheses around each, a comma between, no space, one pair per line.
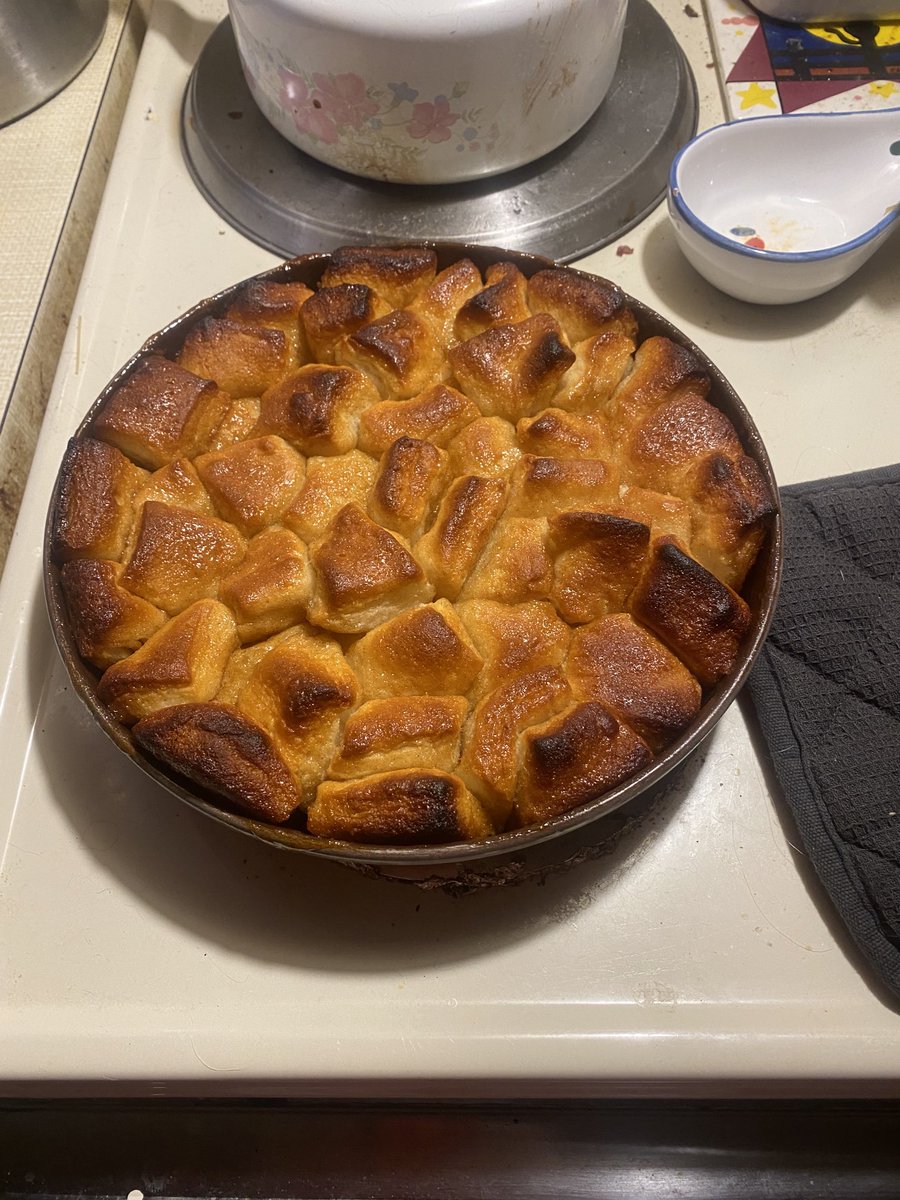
(408,486)
(485,447)
(601,363)
(317,408)
(242,359)
(277,306)
(669,443)
(598,559)
(179,556)
(555,433)
(435,415)
(573,758)
(513,638)
(441,300)
(543,487)
(398,273)
(333,313)
(688,447)
(513,371)
(584,305)
(425,650)
(363,575)
(296,687)
(177,484)
(161,412)
(271,588)
(331,482)
(515,565)
(95,509)
(733,507)
(400,732)
(451,547)
(662,371)
(695,614)
(490,759)
(398,353)
(618,662)
(502,302)
(108,621)
(253,483)
(183,662)
(219,748)
(400,808)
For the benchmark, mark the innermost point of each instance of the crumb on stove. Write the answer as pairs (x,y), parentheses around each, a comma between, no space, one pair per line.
(622,250)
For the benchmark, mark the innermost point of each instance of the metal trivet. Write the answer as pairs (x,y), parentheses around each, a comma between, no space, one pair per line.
(602,182)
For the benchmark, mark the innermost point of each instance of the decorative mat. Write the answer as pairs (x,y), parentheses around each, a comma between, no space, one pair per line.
(768,66)
(828,699)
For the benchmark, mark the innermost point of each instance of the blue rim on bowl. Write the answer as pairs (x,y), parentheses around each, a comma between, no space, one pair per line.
(684,210)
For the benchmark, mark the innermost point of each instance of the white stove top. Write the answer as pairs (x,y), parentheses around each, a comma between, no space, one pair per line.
(147,949)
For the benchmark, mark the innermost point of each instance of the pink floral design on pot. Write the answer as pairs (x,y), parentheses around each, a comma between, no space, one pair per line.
(433,122)
(306,108)
(344,99)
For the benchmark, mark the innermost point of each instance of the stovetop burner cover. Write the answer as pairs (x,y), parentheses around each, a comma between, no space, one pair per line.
(582,196)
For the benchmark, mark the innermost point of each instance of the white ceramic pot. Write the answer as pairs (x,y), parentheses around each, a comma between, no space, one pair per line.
(428,91)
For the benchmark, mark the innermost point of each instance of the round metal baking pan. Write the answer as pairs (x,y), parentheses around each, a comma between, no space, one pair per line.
(592,189)
(760,591)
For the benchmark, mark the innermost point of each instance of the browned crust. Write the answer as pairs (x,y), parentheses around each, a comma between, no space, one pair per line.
(584,305)
(546,486)
(643,684)
(398,808)
(218,748)
(662,369)
(398,351)
(266,302)
(460,531)
(108,621)
(437,414)
(424,649)
(695,614)
(398,273)
(411,473)
(181,662)
(489,764)
(357,563)
(574,758)
(503,302)
(160,412)
(513,370)
(399,732)
(242,359)
(316,408)
(599,558)
(94,516)
(252,483)
(335,312)
(179,555)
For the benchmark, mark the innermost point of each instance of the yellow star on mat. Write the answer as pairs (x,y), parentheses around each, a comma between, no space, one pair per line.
(754,95)
(885,89)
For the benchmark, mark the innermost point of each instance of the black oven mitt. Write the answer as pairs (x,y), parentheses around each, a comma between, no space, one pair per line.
(827,693)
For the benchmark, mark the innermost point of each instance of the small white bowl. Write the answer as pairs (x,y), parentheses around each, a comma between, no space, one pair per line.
(773,210)
(428,91)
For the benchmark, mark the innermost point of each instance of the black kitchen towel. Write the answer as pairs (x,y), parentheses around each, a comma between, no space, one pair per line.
(827,693)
